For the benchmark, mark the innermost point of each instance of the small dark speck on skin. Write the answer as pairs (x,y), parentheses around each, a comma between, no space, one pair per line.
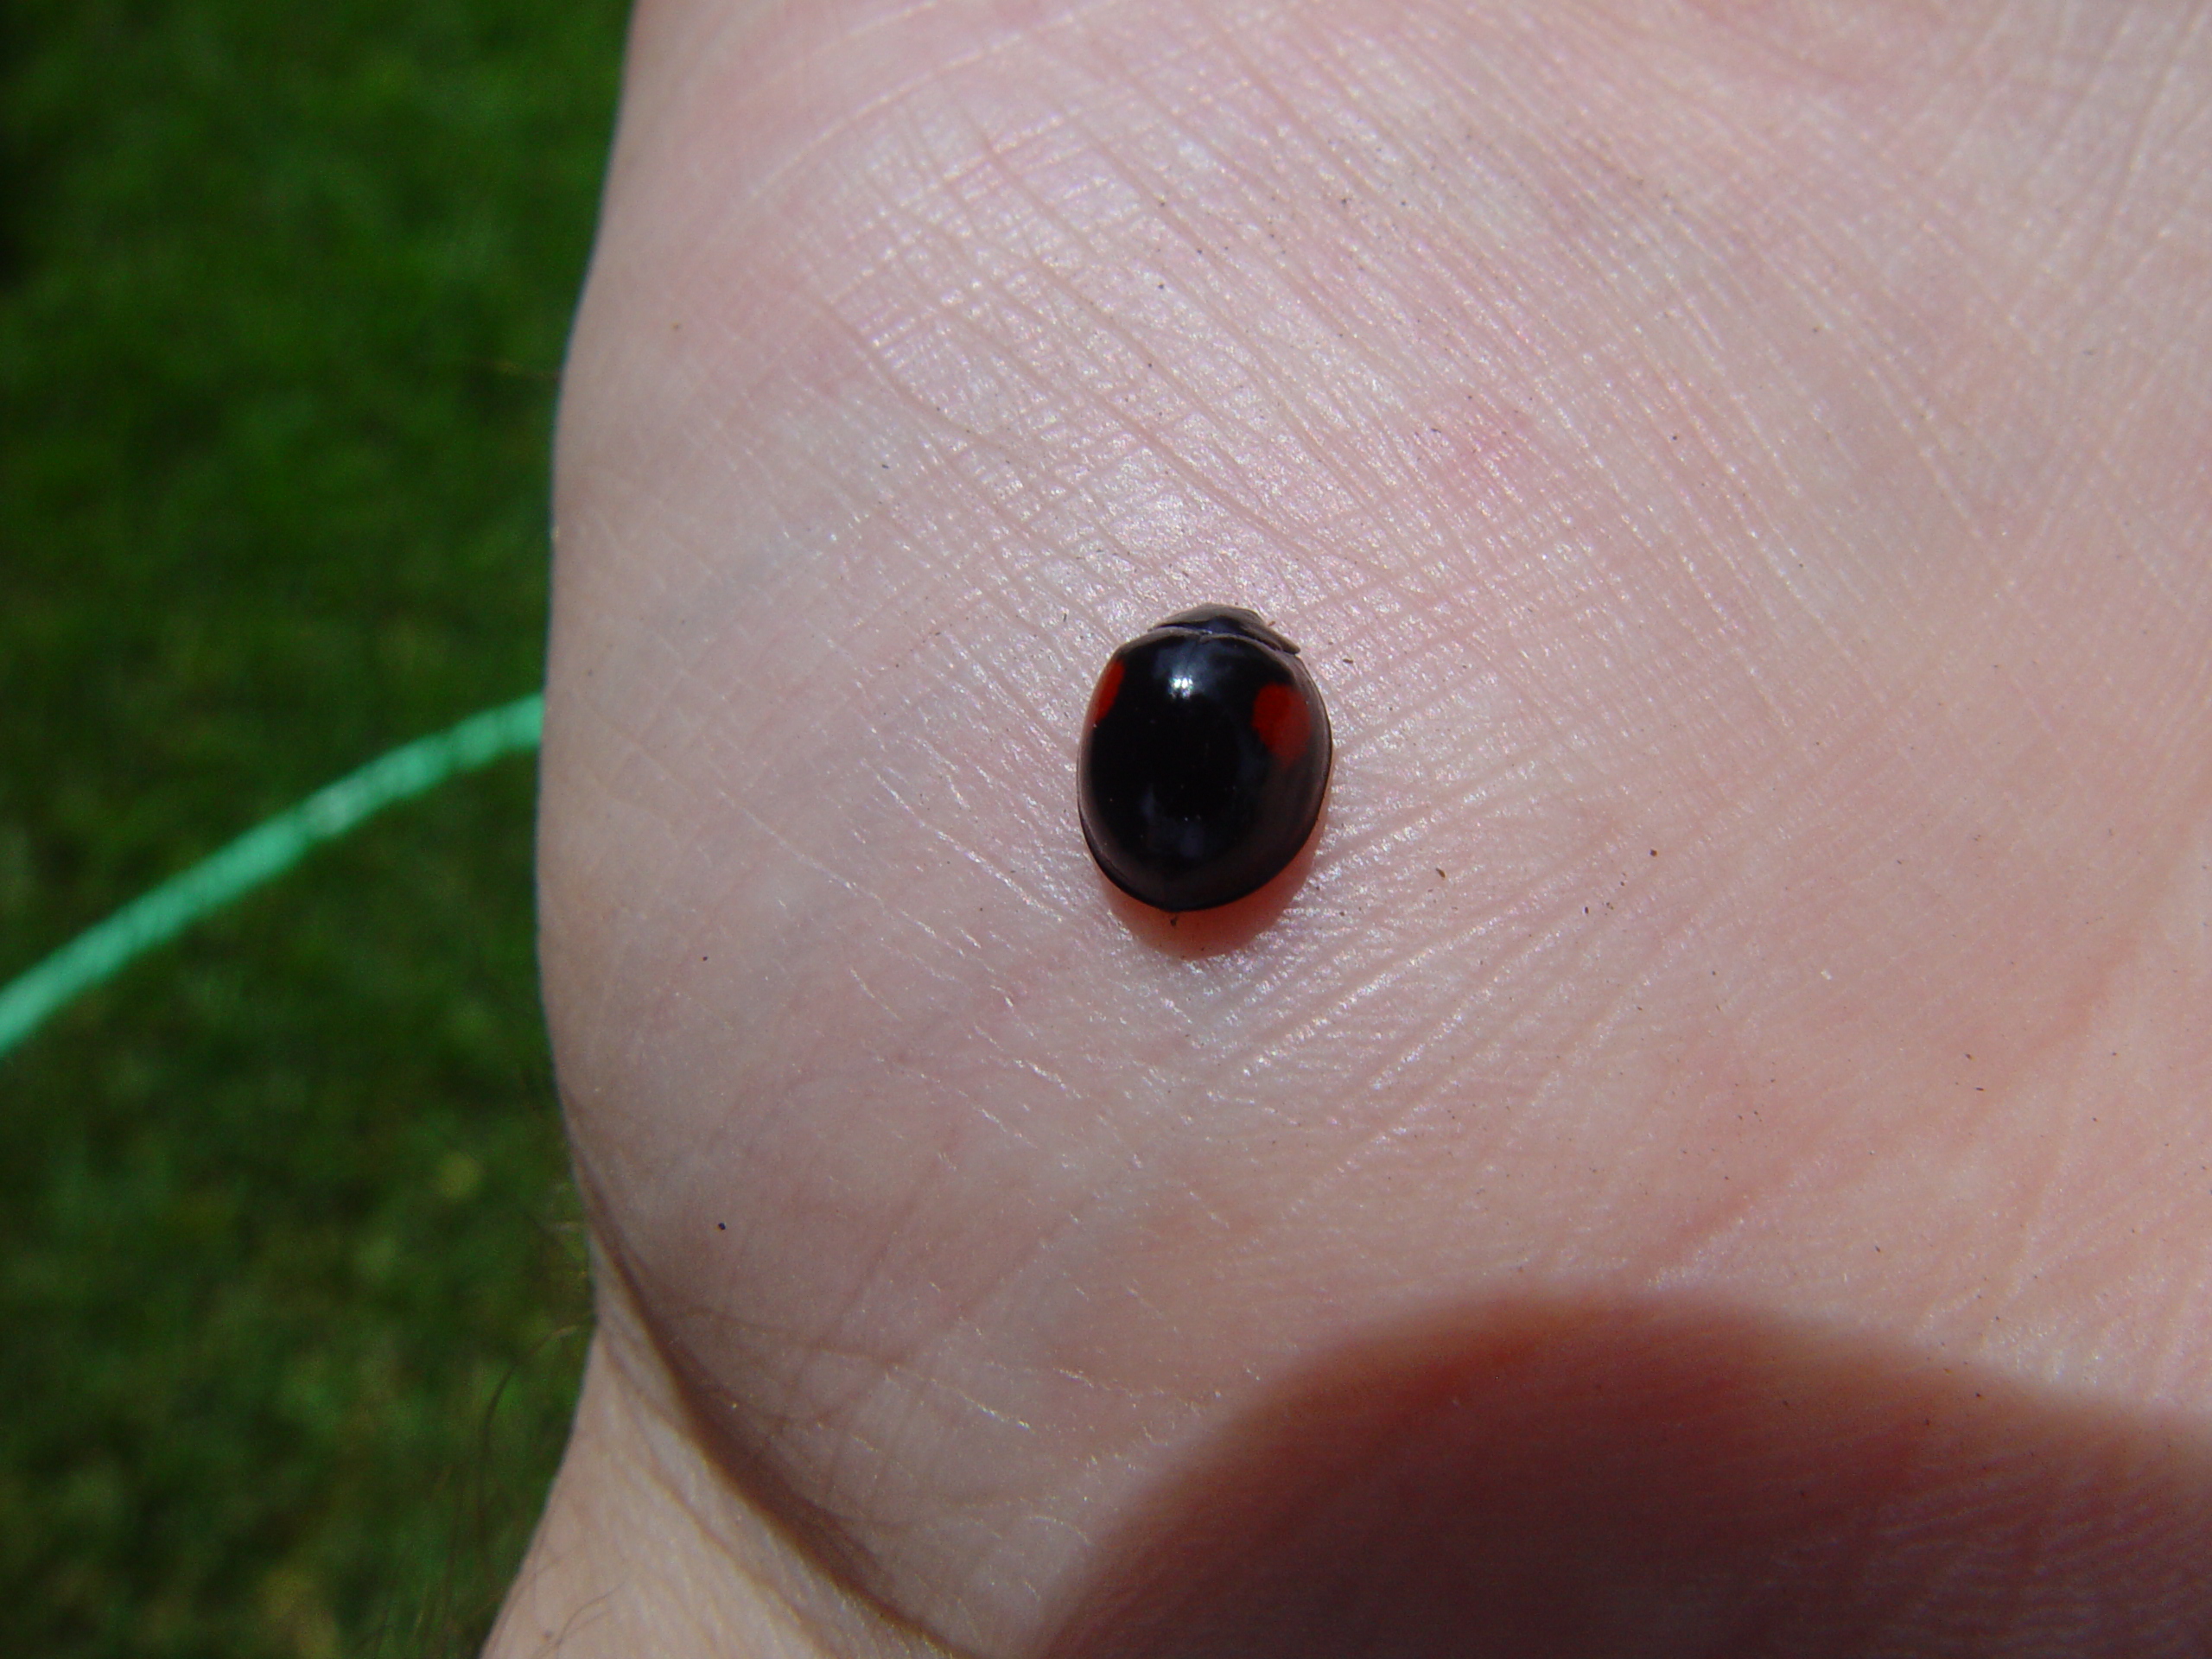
(1442,877)
(721,1226)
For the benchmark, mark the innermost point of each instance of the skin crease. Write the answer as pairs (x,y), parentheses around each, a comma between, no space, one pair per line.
(1721,1123)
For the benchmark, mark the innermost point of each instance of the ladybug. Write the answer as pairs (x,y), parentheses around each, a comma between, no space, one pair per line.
(1205,755)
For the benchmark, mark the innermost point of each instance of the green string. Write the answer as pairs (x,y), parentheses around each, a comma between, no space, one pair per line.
(260,854)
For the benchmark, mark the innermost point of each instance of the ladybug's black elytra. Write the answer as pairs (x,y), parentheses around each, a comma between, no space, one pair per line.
(1205,755)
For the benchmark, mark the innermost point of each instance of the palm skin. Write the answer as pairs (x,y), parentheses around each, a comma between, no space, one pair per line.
(1712,1155)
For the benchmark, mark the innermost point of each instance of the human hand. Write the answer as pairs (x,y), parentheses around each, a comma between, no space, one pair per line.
(1714,1157)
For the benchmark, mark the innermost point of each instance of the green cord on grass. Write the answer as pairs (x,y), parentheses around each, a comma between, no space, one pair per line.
(260,854)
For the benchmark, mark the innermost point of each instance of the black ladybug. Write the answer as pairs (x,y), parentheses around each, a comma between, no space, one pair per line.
(1205,756)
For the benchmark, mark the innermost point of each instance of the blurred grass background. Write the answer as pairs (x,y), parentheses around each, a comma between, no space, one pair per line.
(292,1294)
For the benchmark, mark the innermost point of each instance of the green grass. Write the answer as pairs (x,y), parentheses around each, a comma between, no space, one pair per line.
(291,1287)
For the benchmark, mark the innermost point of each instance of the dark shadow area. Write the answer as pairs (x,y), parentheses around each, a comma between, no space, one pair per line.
(22,161)
(1661,1478)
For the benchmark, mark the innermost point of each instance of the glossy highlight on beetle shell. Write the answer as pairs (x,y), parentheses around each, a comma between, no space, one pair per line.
(1205,757)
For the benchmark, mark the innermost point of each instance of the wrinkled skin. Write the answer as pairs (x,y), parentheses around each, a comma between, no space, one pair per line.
(1713,1154)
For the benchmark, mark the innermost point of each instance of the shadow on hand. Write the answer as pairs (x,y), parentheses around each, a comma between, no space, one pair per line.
(1649,1479)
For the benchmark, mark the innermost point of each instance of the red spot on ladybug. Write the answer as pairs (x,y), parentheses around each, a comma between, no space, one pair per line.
(1109,687)
(1279,716)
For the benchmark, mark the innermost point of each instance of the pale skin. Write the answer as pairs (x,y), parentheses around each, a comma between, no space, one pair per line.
(1713,1154)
